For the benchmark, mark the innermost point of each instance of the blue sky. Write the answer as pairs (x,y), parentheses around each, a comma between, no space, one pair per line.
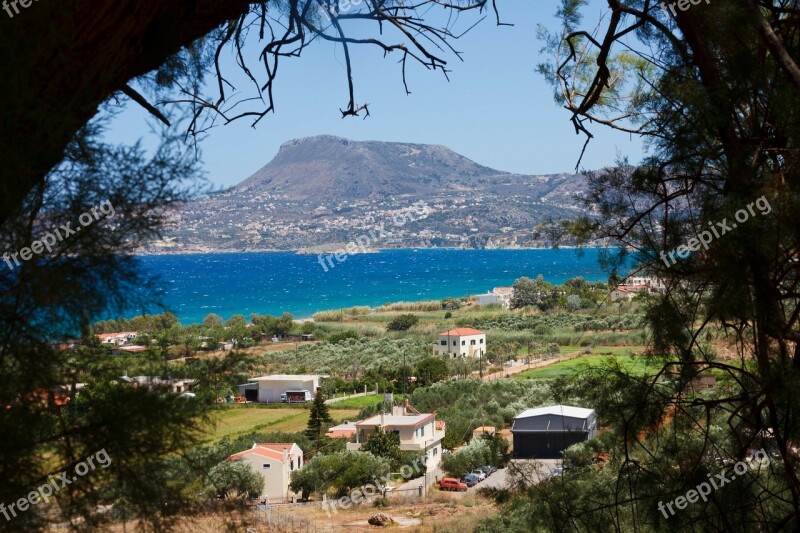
(495,110)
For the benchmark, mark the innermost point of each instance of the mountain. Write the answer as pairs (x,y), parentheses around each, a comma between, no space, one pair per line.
(324,191)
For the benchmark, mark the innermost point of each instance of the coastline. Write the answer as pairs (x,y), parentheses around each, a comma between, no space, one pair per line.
(306,251)
(270,283)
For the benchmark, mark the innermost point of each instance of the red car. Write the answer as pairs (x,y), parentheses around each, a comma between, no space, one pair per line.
(451,483)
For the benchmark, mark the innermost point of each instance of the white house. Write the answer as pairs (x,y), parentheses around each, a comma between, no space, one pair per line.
(622,293)
(465,342)
(276,462)
(504,294)
(418,432)
(268,389)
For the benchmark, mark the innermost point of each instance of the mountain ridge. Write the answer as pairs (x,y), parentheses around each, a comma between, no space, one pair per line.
(324,190)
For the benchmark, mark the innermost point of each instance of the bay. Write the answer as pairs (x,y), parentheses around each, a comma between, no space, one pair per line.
(192,286)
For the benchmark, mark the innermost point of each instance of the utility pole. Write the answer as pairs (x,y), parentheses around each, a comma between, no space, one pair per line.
(405,378)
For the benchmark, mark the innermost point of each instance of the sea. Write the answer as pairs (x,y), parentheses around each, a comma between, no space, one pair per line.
(192,286)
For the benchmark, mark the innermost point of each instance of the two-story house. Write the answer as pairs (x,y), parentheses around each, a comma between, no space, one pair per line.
(276,462)
(464,342)
(418,432)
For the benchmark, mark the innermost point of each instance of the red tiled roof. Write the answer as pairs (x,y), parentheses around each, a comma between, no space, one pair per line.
(276,446)
(340,434)
(263,452)
(271,450)
(461,331)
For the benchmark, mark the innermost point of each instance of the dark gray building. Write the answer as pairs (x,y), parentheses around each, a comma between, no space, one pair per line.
(545,432)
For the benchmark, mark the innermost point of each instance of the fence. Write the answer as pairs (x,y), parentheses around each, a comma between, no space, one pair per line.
(284,519)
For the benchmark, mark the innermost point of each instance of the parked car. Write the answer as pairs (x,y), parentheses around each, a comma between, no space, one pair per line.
(470,480)
(558,471)
(451,483)
(489,470)
(480,474)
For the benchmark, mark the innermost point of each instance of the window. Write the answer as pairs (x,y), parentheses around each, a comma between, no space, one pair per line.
(266,466)
(291,465)
(454,343)
(463,343)
(472,342)
(481,341)
(422,431)
(435,452)
(443,343)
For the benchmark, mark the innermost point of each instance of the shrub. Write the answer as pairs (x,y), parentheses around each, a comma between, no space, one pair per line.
(402,323)
(336,338)
(381,503)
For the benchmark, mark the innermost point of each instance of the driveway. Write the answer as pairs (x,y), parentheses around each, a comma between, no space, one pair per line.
(495,481)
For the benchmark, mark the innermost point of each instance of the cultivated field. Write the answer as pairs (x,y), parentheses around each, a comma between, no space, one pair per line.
(238,419)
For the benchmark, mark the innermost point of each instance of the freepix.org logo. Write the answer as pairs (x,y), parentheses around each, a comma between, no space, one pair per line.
(58,234)
(715,482)
(55,482)
(8,5)
(715,231)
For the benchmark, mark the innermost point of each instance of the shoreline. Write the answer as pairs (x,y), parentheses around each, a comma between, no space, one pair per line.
(302,251)
(274,282)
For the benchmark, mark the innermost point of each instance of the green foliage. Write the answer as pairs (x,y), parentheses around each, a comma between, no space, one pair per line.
(319,419)
(212,321)
(534,292)
(270,325)
(467,404)
(384,444)
(431,370)
(351,358)
(402,323)
(234,479)
(338,473)
(340,336)
(479,452)
(218,376)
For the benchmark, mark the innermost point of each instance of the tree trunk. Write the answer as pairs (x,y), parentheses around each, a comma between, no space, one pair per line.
(62,60)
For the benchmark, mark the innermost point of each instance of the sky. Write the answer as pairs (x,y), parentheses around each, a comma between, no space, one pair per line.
(495,109)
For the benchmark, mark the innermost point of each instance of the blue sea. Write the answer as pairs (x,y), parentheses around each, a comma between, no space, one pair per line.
(192,286)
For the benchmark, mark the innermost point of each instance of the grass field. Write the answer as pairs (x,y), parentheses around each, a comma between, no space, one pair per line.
(358,403)
(238,419)
(617,351)
(635,365)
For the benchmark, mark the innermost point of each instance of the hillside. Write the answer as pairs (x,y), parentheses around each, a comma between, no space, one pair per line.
(324,191)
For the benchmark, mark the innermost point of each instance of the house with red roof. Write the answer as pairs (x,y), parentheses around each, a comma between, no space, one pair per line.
(463,342)
(275,461)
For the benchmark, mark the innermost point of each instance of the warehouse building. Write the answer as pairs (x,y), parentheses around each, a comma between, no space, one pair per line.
(545,432)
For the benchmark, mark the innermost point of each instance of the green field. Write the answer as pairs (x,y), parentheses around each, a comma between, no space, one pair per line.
(237,419)
(617,351)
(359,403)
(639,366)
